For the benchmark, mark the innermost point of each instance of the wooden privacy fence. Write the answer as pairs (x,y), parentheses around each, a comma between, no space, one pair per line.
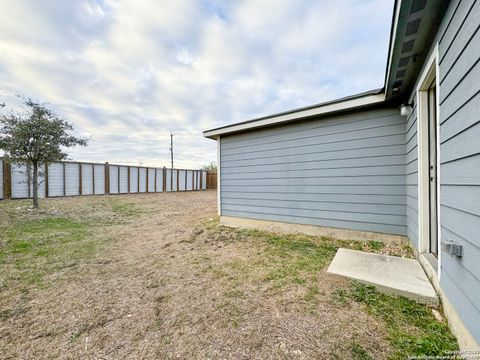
(211,180)
(79,178)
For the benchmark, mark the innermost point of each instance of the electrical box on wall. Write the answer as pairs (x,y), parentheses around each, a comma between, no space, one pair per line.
(452,248)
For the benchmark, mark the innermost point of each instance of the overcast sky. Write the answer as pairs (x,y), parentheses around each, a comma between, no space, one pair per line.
(126,73)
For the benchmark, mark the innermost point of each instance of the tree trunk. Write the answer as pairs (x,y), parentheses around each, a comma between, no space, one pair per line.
(35,185)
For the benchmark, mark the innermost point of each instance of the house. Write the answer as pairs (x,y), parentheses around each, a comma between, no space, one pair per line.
(397,164)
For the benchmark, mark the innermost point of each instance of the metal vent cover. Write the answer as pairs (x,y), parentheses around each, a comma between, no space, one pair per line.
(412,27)
(403,61)
(408,46)
(401,73)
(417,5)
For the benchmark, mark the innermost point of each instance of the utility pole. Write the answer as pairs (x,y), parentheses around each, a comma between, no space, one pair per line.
(171,148)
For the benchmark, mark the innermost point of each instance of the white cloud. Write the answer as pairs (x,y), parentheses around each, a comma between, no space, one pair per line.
(129,72)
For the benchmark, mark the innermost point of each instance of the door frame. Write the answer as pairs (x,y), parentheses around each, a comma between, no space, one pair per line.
(429,73)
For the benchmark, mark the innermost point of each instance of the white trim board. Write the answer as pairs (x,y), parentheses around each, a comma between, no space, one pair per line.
(219,169)
(300,114)
(429,73)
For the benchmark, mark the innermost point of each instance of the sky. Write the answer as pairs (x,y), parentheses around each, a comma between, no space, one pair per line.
(127,73)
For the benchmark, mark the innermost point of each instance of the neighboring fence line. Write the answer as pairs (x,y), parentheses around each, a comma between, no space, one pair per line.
(67,178)
(211,180)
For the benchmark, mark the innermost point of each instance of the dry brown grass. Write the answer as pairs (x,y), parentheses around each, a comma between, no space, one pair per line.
(156,277)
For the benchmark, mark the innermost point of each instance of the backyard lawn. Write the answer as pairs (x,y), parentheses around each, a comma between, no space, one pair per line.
(156,277)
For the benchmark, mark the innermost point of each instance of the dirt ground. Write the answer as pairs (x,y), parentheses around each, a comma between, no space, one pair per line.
(155,277)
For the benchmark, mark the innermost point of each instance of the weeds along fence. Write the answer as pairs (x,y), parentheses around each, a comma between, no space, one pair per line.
(67,178)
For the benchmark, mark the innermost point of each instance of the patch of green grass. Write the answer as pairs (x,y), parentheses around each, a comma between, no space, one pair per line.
(126,209)
(295,257)
(312,292)
(375,245)
(340,297)
(36,248)
(234,294)
(359,353)
(412,328)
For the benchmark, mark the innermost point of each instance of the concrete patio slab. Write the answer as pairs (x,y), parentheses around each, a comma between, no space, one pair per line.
(389,274)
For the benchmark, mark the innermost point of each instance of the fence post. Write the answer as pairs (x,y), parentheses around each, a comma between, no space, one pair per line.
(155,180)
(7,179)
(93,179)
(118,179)
(138,179)
(178,180)
(64,180)
(146,179)
(46,180)
(107,178)
(164,177)
(80,190)
(128,179)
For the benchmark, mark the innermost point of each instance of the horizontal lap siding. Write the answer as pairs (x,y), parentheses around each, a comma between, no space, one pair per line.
(345,171)
(412,177)
(459,55)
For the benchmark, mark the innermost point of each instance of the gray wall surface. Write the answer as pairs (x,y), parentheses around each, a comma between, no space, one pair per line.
(412,177)
(344,171)
(459,59)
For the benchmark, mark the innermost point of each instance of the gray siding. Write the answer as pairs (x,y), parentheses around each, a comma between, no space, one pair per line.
(412,177)
(344,171)
(459,56)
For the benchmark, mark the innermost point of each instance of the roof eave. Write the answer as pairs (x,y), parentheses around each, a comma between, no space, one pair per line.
(320,110)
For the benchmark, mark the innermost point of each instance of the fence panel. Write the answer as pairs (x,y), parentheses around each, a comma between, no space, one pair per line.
(133,179)
(159,180)
(123,179)
(113,179)
(72,179)
(168,180)
(55,180)
(174,180)
(87,179)
(142,182)
(211,180)
(19,181)
(181,180)
(189,180)
(99,183)
(151,179)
